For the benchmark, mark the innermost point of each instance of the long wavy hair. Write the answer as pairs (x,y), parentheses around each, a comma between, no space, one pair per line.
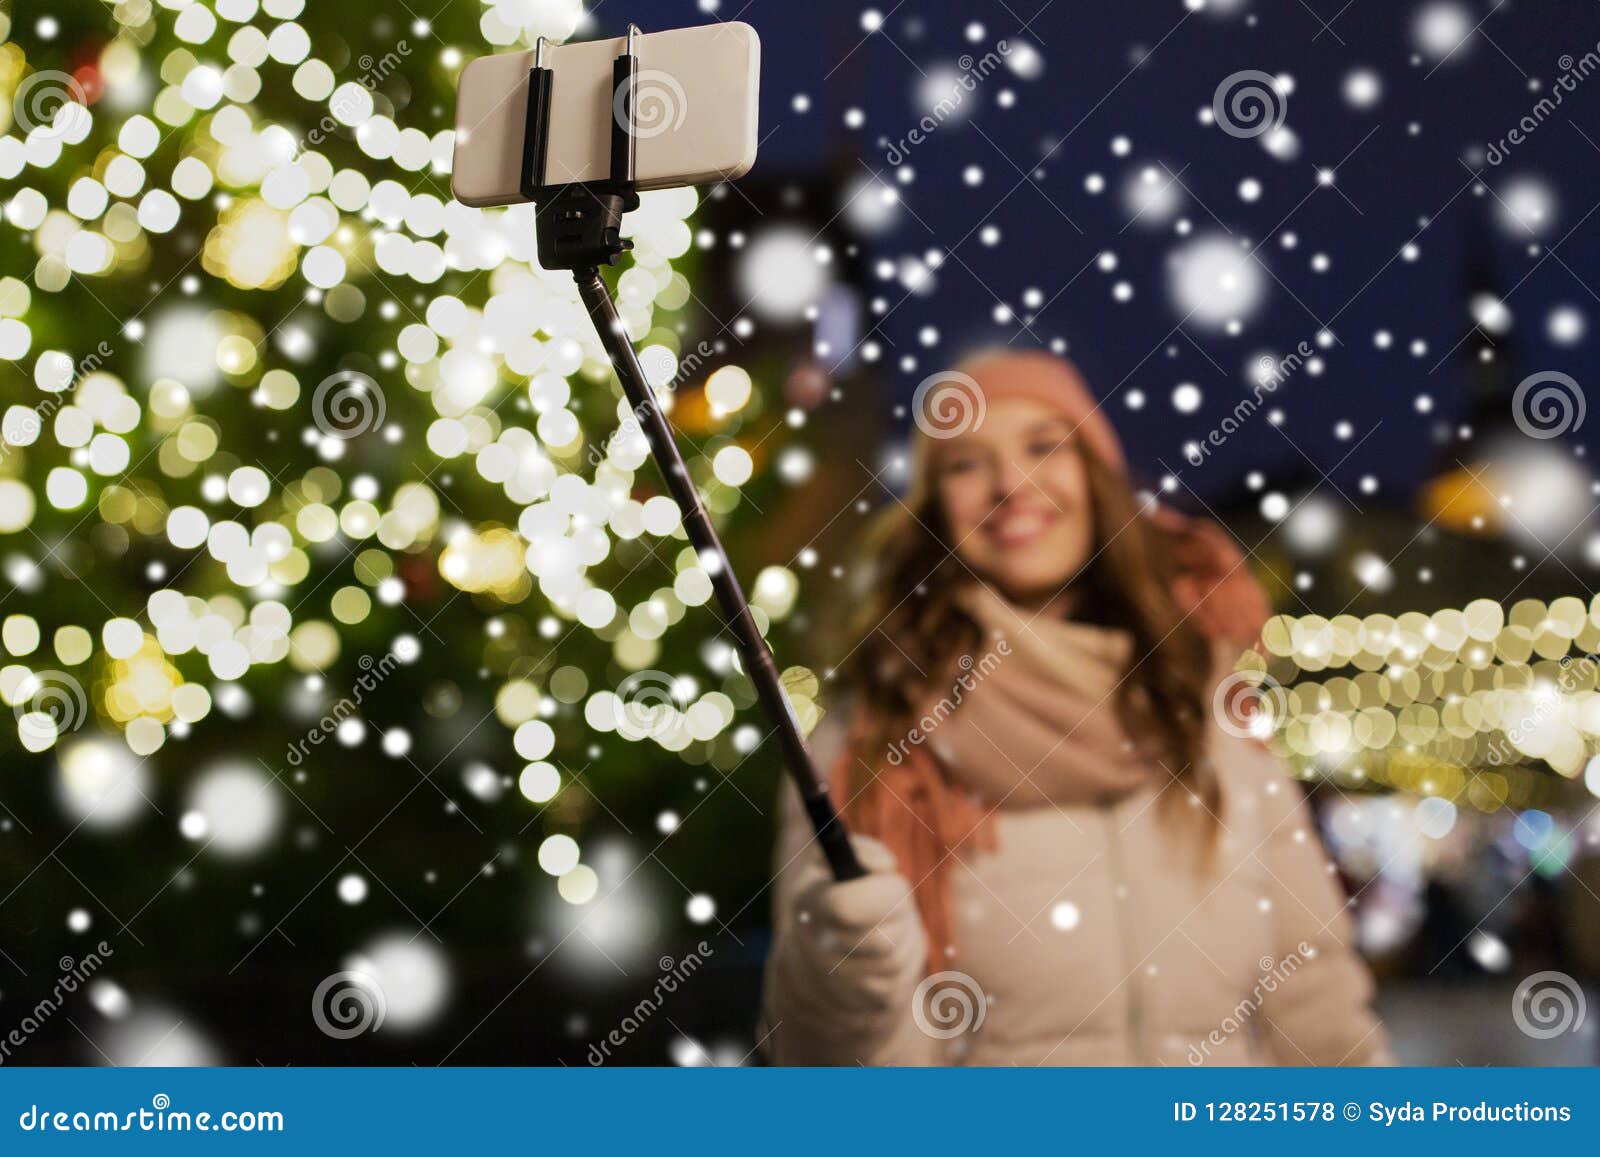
(911,621)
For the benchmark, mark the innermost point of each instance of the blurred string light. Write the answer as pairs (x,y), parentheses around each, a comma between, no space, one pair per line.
(96,188)
(412,974)
(1216,283)
(1442,30)
(1464,705)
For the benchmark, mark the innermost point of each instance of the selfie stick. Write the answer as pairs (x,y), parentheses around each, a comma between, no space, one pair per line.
(580,228)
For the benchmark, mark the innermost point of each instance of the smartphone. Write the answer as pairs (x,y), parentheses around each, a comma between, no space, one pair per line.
(693,115)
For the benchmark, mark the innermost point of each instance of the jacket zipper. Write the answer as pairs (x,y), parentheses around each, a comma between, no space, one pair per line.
(1122,901)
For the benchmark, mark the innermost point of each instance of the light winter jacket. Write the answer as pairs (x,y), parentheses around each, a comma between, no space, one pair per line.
(1085,937)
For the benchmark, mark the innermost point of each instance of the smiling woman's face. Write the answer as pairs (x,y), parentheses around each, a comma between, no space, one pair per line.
(1015,496)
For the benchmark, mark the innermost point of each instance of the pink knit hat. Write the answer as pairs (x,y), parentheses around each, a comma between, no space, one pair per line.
(1213,585)
(1051,381)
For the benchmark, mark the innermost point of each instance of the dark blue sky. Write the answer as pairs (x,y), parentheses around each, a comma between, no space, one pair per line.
(1390,177)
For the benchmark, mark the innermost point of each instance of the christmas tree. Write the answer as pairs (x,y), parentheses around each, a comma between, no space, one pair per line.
(342,605)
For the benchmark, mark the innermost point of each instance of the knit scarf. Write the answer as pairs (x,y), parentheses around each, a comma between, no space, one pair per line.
(1027,721)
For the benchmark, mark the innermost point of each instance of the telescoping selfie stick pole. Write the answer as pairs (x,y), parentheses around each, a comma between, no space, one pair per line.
(580,228)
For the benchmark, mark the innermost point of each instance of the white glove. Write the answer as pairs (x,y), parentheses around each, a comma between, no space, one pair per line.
(861,941)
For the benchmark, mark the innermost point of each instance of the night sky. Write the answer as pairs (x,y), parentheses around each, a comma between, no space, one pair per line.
(1402,172)
(537,688)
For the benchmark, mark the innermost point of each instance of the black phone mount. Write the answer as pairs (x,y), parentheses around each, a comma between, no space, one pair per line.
(580,224)
(579,227)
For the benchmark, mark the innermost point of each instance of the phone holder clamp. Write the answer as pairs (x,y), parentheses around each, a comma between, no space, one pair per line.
(579,224)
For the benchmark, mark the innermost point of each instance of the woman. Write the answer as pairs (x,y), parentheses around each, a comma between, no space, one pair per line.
(1069,860)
